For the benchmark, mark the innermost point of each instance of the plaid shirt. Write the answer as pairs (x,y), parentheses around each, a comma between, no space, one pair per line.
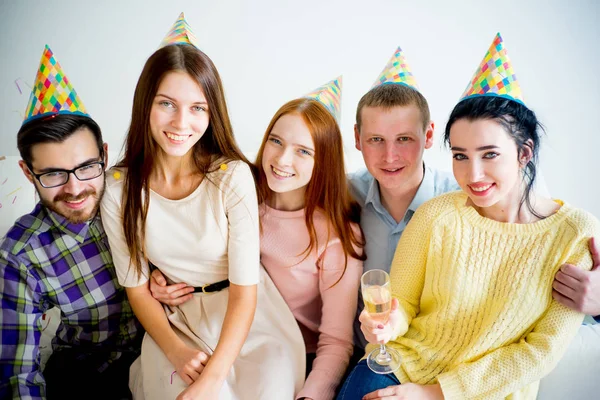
(46,261)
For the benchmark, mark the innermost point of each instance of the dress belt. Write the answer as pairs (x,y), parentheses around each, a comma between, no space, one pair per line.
(208,288)
(212,287)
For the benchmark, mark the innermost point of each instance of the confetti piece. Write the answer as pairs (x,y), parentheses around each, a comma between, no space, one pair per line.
(23,81)
(223,167)
(4,181)
(16,83)
(13,192)
(47,323)
(14,200)
(172,373)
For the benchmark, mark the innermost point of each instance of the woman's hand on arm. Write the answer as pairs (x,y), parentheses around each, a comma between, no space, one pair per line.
(238,319)
(188,362)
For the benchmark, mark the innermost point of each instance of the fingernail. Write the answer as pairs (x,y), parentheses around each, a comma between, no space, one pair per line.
(380,326)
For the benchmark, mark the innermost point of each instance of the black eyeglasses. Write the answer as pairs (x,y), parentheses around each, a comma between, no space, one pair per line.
(59,177)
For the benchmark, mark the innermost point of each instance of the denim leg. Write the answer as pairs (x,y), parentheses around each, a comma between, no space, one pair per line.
(362,381)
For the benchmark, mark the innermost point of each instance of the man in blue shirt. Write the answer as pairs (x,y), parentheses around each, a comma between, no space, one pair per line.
(393,129)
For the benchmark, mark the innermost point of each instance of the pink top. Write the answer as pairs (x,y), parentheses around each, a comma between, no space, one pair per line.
(324,313)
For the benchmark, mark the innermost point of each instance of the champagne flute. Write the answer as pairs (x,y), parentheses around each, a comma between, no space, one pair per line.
(377,296)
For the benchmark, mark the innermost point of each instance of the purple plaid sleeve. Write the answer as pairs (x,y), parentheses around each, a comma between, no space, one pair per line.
(19,345)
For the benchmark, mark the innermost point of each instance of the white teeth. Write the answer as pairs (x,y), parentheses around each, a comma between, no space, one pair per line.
(76,202)
(481,189)
(281,173)
(177,138)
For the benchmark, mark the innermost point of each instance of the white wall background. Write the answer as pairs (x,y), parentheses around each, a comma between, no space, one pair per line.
(271,51)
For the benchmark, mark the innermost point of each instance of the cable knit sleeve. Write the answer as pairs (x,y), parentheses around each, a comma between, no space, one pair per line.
(408,269)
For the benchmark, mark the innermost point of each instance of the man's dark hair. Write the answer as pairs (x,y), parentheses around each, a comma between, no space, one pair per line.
(54,129)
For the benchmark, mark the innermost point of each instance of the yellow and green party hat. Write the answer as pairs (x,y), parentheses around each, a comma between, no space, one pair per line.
(52,92)
(330,95)
(397,71)
(495,75)
(180,33)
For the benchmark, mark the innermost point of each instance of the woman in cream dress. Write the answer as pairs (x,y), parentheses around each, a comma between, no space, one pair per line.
(183,199)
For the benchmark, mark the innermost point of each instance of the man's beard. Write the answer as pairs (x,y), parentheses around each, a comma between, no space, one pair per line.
(73,216)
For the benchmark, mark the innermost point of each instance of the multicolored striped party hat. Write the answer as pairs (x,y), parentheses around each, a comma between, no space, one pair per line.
(495,75)
(52,91)
(330,95)
(397,71)
(180,33)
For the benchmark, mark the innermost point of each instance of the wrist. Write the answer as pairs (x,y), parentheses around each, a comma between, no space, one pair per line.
(399,328)
(213,373)
(174,349)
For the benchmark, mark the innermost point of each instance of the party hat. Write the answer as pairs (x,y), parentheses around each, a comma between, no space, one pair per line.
(397,71)
(330,95)
(52,91)
(180,33)
(495,75)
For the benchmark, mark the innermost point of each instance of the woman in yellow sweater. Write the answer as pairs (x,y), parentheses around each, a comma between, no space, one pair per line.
(473,315)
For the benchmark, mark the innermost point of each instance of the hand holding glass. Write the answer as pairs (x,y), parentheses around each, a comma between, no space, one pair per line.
(377,296)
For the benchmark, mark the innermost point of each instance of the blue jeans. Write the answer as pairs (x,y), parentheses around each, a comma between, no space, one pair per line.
(362,381)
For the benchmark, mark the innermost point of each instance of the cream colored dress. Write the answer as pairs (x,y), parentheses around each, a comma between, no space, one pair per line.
(209,236)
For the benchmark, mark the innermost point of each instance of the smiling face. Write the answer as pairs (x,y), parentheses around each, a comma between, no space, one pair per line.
(288,160)
(392,142)
(77,201)
(179,115)
(486,162)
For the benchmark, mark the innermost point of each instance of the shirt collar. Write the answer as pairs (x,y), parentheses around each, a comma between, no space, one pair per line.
(76,231)
(373,195)
(425,191)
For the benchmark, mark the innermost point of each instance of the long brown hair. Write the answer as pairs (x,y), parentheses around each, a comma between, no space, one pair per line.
(217,143)
(327,189)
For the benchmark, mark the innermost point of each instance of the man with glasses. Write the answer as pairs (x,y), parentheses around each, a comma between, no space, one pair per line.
(58,256)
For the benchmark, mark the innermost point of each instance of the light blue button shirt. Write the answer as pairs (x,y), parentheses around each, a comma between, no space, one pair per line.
(382,232)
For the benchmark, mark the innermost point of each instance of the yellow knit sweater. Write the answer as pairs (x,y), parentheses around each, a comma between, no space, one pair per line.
(477,298)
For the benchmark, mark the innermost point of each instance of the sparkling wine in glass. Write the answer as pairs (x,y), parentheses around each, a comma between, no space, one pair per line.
(377,296)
